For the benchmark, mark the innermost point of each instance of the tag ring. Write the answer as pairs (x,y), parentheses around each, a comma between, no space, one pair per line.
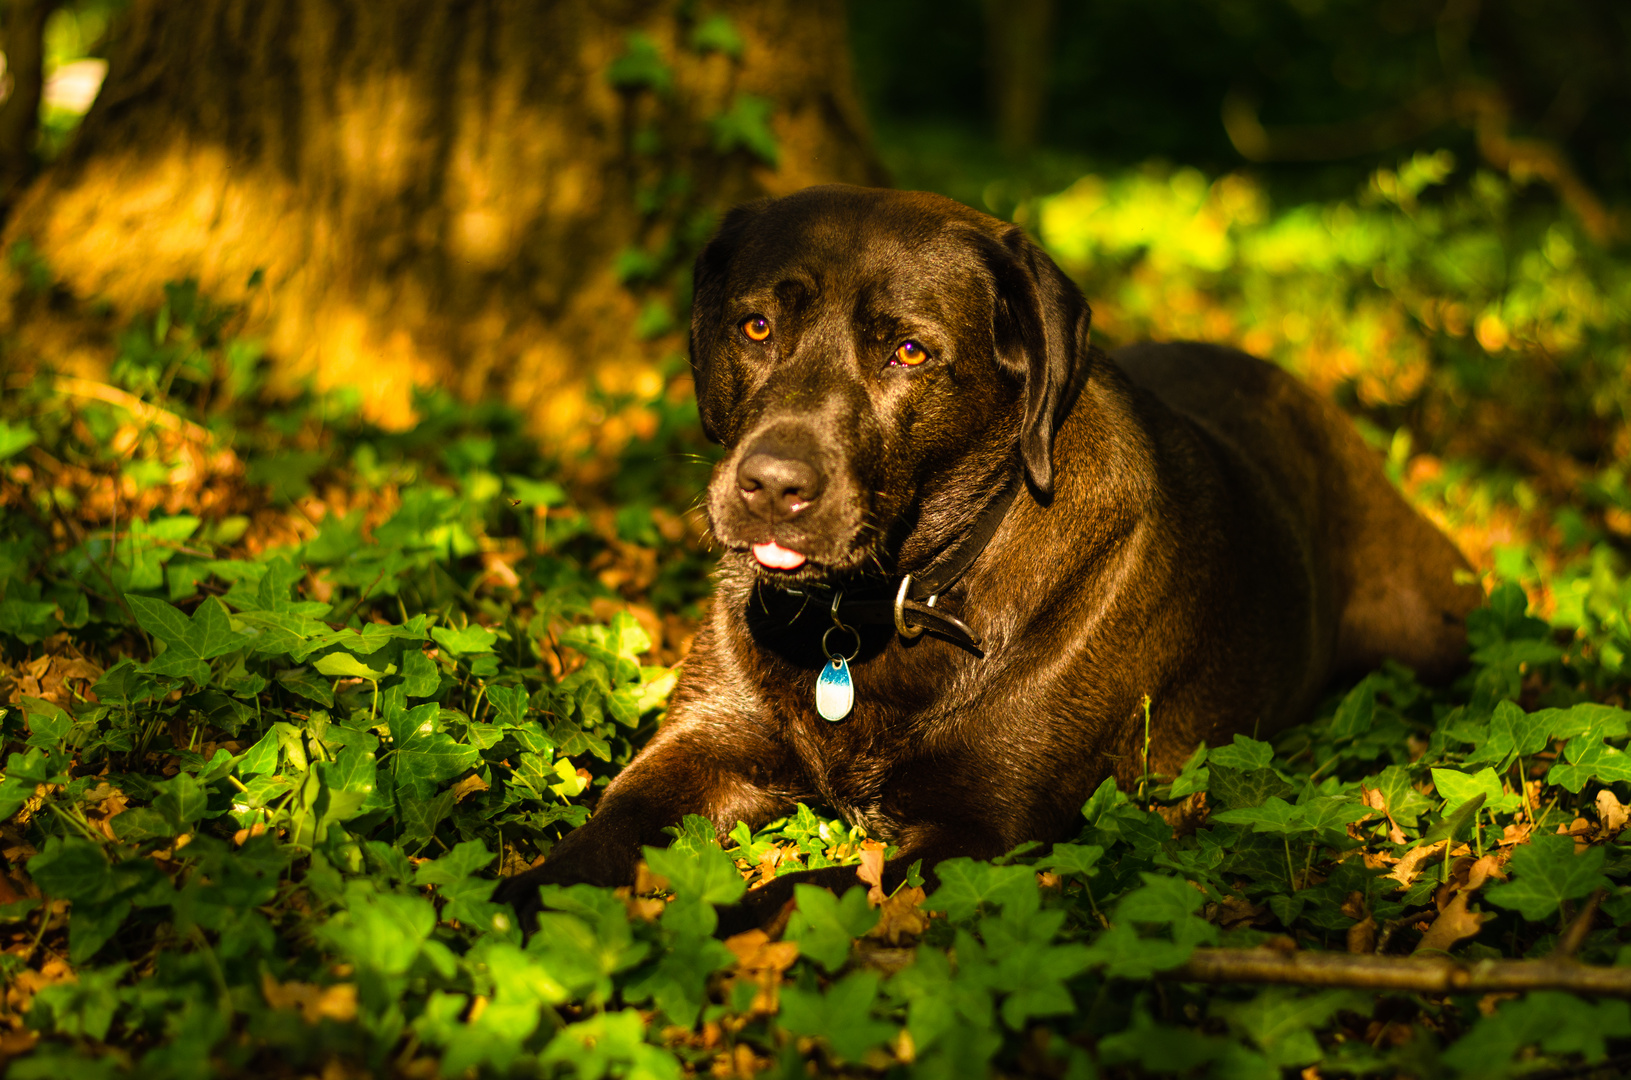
(835,656)
(906,631)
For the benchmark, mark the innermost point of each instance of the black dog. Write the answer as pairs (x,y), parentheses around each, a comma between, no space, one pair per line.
(920,438)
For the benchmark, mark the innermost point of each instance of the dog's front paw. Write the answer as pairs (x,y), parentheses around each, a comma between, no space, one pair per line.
(521,893)
(766,908)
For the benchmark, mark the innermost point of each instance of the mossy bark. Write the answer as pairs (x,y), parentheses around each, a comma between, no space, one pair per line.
(434,192)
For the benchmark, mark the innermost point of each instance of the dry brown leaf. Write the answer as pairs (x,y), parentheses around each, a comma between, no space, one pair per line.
(1362,935)
(337,1002)
(646,882)
(870,871)
(901,916)
(738,1063)
(468,785)
(762,961)
(1378,860)
(1237,911)
(772,860)
(1481,871)
(643,908)
(1405,871)
(1353,905)
(1515,834)
(1454,924)
(1612,814)
(1373,798)
(17,1043)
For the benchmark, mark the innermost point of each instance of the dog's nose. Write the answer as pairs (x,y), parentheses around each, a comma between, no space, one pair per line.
(777,486)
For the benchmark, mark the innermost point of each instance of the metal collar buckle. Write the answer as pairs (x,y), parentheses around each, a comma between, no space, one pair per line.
(906,631)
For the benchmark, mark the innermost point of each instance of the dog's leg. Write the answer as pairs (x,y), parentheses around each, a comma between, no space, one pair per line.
(722,769)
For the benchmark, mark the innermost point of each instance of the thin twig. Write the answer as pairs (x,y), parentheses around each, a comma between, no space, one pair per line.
(1578,928)
(1404,973)
(112,395)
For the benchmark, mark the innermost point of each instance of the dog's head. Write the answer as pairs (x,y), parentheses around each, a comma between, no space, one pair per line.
(875,362)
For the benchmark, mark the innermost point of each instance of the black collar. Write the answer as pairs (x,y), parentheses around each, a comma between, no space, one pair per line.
(909,601)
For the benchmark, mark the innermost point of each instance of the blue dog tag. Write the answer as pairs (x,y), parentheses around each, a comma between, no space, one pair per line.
(835,692)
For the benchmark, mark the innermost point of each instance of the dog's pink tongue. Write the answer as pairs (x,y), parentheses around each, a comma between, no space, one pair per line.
(777,557)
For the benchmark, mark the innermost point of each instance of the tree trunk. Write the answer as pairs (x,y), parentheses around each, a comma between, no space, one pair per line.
(484,195)
(24,28)
(1019,47)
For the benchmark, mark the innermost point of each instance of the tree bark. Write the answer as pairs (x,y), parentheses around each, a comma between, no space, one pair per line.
(434,191)
(24,29)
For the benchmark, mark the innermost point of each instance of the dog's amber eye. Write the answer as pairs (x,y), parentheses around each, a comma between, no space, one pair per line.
(910,354)
(756,327)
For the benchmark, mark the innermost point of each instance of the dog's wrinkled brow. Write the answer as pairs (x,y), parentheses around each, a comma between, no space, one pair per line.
(796,293)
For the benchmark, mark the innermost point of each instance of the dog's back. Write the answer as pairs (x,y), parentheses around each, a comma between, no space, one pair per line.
(1392,575)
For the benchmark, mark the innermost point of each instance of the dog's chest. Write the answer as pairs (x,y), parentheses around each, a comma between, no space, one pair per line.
(863,764)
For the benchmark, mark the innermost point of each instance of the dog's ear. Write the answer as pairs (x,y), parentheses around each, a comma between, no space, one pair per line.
(1041,324)
(709,278)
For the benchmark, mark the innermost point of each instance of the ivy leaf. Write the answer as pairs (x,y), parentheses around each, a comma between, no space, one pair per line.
(1125,955)
(1560,1023)
(842,1016)
(1244,754)
(308,686)
(716,33)
(420,678)
(1160,900)
(1404,802)
(641,67)
(344,665)
(1194,776)
(1354,715)
(746,126)
(1458,788)
(1078,859)
(609,1044)
(1587,718)
(461,862)
(1104,798)
(966,886)
(425,756)
(16,437)
(1234,789)
(24,773)
(1512,732)
(182,800)
(1589,758)
(1281,1021)
(1546,872)
(1330,811)
(509,704)
(189,643)
(678,983)
(48,724)
(472,639)
(700,880)
(1274,815)
(824,926)
(1455,823)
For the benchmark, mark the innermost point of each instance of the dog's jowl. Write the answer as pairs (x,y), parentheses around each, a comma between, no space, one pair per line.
(961,547)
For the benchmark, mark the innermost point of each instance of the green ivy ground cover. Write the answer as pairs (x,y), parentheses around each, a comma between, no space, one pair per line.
(287,694)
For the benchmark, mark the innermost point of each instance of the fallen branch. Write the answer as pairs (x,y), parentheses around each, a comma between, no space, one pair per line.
(1407,973)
